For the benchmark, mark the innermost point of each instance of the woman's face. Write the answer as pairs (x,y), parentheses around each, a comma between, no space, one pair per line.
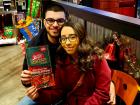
(69,40)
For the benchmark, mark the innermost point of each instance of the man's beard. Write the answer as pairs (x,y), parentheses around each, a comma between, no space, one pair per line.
(56,37)
(53,36)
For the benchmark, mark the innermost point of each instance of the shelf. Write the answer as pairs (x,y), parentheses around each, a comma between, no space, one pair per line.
(7,12)
(8,41)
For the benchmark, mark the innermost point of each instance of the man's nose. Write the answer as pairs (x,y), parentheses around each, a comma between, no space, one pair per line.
(55,23)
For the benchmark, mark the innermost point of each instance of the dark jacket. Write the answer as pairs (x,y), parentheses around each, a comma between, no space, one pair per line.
(93,91)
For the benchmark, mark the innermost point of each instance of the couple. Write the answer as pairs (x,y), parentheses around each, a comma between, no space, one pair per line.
(82,74)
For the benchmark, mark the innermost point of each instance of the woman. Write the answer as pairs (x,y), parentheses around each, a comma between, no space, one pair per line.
(82,74)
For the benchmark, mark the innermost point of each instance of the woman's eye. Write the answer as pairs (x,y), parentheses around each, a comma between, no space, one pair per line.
(63,38)
(72,37)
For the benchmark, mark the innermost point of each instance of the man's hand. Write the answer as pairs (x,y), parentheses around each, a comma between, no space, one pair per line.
(32,92)
(112,95)
(26,77)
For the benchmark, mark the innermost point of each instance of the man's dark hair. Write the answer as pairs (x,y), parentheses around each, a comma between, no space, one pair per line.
(56,8)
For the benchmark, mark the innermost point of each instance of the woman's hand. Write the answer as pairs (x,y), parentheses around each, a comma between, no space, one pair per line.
(26,77)
(112,94)
(32,92)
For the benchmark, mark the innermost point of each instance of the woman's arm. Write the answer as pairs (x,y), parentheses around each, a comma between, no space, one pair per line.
(103,79)
(112,94)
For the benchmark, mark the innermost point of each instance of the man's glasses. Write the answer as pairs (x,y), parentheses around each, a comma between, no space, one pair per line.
(71,38)
(51,21)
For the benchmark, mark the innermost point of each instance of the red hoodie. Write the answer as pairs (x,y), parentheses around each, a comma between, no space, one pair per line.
(93,91)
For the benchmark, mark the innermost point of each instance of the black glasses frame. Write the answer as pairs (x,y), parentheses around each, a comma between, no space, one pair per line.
(71,38)
(59,21)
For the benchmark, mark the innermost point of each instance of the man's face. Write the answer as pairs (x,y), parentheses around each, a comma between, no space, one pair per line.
(53,22)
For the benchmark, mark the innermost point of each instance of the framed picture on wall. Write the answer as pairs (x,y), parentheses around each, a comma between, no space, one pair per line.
(138,9)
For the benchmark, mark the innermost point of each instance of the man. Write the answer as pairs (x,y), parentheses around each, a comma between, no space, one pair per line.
(55,17)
